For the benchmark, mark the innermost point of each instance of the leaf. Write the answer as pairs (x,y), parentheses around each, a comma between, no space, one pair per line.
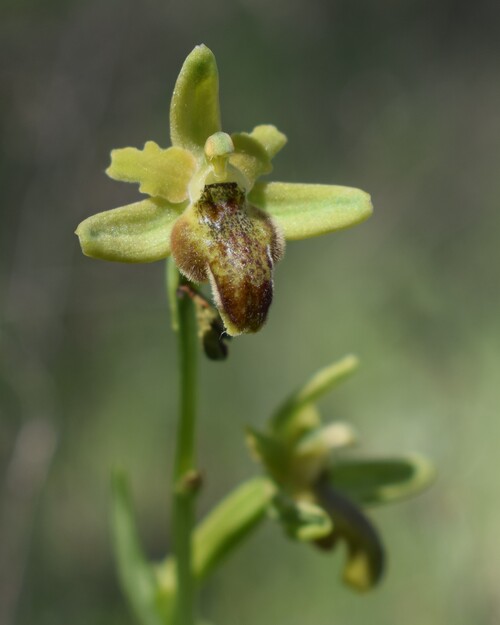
(378,481)
(164,173)
(136,233)
(194,110)
(308,210)
(301,520)
(137,576)
(283,420)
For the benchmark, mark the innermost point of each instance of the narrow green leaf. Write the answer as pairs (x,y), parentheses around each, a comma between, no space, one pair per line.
(163,173)
(308,210)
(137,576)
(301,520)
(378,481)
(194,110)
(230,523)
(136,233)
(282,421)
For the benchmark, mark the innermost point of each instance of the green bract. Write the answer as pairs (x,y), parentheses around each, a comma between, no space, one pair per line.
(206,208)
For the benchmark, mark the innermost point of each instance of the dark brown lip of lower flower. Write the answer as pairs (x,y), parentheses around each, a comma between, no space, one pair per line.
(352,525)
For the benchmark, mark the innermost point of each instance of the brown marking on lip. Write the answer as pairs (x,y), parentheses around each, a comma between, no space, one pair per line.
(235,246)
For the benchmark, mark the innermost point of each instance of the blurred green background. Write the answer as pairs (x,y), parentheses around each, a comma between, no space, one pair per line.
(399,98)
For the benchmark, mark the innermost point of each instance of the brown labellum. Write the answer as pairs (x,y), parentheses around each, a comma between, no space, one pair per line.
(234,245)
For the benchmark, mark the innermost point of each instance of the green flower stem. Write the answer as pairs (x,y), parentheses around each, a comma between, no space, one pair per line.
(185,482)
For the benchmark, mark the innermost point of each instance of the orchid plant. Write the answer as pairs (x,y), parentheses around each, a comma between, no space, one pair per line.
(209,214)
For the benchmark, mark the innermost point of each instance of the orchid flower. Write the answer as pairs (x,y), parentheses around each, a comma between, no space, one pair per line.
(206,207)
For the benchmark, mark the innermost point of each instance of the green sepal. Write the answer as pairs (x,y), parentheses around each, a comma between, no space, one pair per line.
(249,157)
(301,520)
(136,233)
(379,481)
(269,452)
(227,525)
(308,210)
(224,528)
(365,561)
(194,109)
(286,422)
(163,173)
(137,576)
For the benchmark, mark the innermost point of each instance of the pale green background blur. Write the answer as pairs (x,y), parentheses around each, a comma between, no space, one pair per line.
(399,98)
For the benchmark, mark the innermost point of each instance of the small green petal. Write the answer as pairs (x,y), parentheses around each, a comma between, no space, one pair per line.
(164,173)
(270,138)
(249,157)
(194,110)
(372,482)
(136,233)
(308,210)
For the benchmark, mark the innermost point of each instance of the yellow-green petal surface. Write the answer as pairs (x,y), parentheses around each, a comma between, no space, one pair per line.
(271,139)
(163,173)
(308,210)
(136,233)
